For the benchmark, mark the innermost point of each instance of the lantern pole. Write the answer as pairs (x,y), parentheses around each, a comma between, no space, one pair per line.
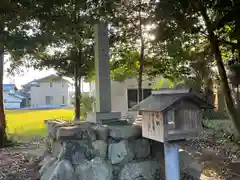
(172,165)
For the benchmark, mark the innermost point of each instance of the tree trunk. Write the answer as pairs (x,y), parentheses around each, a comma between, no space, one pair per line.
(77,92)
(140,75)
(141,60)
(3,135)
(208,94)
(237,86)
(232,111)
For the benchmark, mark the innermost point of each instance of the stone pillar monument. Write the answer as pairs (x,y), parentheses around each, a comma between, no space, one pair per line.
(102,81)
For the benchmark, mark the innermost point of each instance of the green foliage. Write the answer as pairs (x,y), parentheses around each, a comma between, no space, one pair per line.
(125,65)
(86,104)
(167,83)
(206,30)
(71,43)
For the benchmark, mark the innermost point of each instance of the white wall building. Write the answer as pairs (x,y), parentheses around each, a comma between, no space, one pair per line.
(124,94)
(11,101)
(50,91)
(12,98)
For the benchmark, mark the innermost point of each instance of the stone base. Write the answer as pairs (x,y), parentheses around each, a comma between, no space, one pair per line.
(101,118)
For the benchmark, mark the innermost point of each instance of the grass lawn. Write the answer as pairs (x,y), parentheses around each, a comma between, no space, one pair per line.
(30,123)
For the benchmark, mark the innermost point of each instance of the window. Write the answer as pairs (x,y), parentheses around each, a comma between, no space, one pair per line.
(49,100)
(50,84)
(63,100)
(146,93)
(132,96)
(62,84)
(171,119)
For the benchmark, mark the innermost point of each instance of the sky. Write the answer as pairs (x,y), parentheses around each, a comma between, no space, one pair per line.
(29,74)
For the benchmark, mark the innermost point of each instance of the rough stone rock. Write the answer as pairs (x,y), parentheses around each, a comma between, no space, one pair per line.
(75,152)
(48,143)
(48,163)
(81,132)
(141,148)
(43,155)
(52,126)
(62,170)
(100,148)
(101,132)
(56,147)
(45,159)
(144,170)
(121,152)
(124,131)
(96,169)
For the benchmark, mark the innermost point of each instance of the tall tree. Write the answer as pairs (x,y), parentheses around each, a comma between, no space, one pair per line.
(16,20)
(214,21)
(131,21)
(73,54)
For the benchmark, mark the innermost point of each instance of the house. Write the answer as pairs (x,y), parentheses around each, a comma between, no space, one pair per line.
(124,95)
(49,91)
(12,98)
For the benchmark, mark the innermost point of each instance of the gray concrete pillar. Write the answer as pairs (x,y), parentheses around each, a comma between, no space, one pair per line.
(103,112)
(102,69)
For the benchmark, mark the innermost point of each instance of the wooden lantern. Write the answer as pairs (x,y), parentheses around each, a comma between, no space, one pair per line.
(171,115)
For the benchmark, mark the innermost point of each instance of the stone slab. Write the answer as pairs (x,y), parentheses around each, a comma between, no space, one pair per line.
(52,126)
(100,117)
(124,131)
(80,132)
(101,132)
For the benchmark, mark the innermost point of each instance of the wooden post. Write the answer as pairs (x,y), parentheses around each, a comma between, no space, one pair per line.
(172,166)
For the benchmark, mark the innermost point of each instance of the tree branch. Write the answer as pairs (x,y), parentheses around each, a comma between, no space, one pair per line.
(232,44)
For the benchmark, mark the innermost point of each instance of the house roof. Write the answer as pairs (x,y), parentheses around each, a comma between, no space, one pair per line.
(52,77)
(162,101)
(23,94)
(8,87)
(17,95)
(10,98)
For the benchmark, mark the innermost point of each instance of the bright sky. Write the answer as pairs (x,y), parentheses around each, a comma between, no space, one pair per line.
(25,77)
(30,74)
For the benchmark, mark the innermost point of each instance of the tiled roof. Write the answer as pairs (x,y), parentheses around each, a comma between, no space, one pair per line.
(8,87)
(52,76)
(160,102)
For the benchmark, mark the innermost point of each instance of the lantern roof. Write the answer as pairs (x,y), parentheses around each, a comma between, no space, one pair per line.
(165,98)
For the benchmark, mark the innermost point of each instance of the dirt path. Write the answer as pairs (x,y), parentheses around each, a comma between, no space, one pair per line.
(219,159)
(16,163)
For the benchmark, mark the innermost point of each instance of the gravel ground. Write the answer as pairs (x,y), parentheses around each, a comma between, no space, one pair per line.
(220,156)
(16,164)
